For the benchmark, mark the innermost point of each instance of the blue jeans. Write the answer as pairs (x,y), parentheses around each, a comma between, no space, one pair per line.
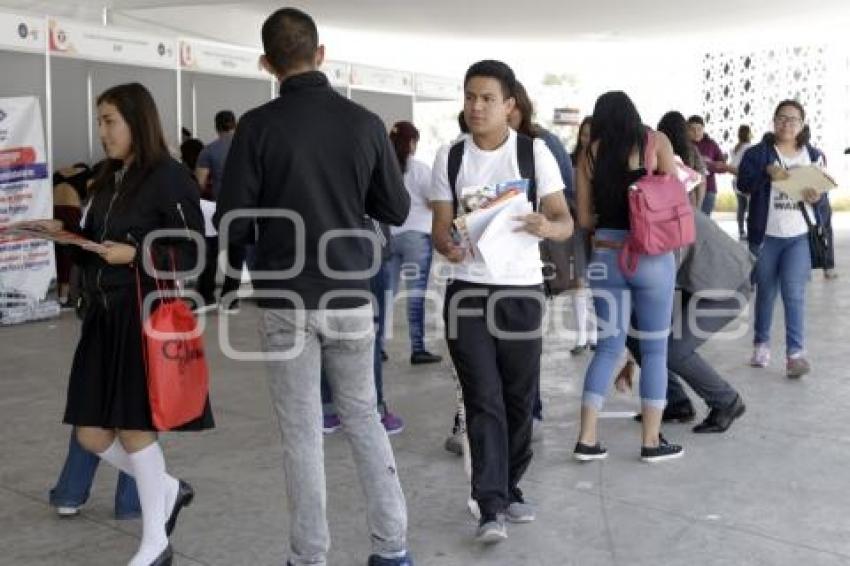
(74,484)
(784,264)
(410,254)
(650,292)
(380,307)
(708,203)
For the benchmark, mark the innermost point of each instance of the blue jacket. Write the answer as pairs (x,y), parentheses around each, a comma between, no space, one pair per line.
(565,164)
(754,181)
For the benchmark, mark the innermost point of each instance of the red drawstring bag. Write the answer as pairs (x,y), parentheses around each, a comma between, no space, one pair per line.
(178,378)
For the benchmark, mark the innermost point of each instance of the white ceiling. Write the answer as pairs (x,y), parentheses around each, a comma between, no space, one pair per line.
(564,20)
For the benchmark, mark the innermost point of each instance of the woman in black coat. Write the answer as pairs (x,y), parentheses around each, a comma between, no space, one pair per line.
(140,189)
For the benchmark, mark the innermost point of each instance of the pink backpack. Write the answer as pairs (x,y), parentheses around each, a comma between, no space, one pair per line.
(660,215)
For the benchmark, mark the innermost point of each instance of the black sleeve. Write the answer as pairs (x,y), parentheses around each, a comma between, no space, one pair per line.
(386,199)
(179,209)
(241,183)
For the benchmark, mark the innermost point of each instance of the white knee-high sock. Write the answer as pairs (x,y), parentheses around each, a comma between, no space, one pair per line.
(118,457)
(149,470)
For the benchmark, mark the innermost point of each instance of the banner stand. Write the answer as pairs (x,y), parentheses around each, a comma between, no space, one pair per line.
(27,266)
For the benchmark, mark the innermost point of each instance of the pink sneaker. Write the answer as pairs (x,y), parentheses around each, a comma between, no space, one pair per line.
(761,356)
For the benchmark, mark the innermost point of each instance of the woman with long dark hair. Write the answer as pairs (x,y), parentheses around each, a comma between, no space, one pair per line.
(778,232)
(615,159)
(675,127)
(410,245)
(521,120)
(582,139)
(139,189)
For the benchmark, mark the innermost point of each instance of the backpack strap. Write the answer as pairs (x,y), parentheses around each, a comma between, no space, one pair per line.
(650,162)
(525,160)
(455,159)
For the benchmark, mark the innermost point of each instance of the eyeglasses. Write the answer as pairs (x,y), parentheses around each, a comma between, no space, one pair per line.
(782,120)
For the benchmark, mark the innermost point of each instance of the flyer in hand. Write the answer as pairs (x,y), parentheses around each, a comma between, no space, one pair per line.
(37,230)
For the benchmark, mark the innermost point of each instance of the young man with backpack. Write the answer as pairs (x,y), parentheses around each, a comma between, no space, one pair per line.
(493,320)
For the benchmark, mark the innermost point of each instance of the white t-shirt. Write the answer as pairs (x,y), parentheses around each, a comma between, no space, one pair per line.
(480,167)
(417,181)
(784,219)
(208,210)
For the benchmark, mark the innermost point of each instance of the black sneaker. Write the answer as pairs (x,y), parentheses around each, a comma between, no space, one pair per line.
(664,451)
(585,453)
(424,357)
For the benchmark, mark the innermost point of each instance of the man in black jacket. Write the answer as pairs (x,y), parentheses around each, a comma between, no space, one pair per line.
(310,166)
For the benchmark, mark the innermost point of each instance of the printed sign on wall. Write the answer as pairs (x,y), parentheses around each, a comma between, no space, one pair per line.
(111,44)
(217,59)
(22,32)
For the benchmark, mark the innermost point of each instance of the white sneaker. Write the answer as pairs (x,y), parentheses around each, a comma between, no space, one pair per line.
(65,511)
(761,356)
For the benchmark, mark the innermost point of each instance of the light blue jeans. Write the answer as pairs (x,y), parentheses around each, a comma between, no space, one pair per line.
(784,264)
(410,258)
(650,292)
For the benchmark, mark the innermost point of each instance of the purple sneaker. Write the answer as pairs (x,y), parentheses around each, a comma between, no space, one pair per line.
(392,423)
(331,424)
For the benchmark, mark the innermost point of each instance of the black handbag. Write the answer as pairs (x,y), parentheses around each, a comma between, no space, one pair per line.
(818,241)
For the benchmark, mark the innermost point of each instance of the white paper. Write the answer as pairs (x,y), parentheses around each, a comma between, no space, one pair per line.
(504,250)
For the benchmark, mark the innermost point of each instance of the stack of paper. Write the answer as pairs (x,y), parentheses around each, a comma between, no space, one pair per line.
(491,235)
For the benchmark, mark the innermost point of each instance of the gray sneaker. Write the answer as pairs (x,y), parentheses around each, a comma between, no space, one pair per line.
(520,512)
(491,530)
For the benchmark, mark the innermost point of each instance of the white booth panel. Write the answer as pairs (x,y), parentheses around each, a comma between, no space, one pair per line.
(70,118)
(218,92)
(390,107)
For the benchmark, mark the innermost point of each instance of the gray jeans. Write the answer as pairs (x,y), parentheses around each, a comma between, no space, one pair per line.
(341,342)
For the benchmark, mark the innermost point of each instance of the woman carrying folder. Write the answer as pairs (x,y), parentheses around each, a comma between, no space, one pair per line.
(778,232)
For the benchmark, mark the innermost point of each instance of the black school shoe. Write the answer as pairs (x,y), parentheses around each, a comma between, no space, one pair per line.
(719,420)
(585,453)
(664,451)
(185,495)
(424,357)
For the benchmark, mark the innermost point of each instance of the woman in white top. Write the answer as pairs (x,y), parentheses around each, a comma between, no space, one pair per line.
(745,142)
(779,233)
(410,245)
